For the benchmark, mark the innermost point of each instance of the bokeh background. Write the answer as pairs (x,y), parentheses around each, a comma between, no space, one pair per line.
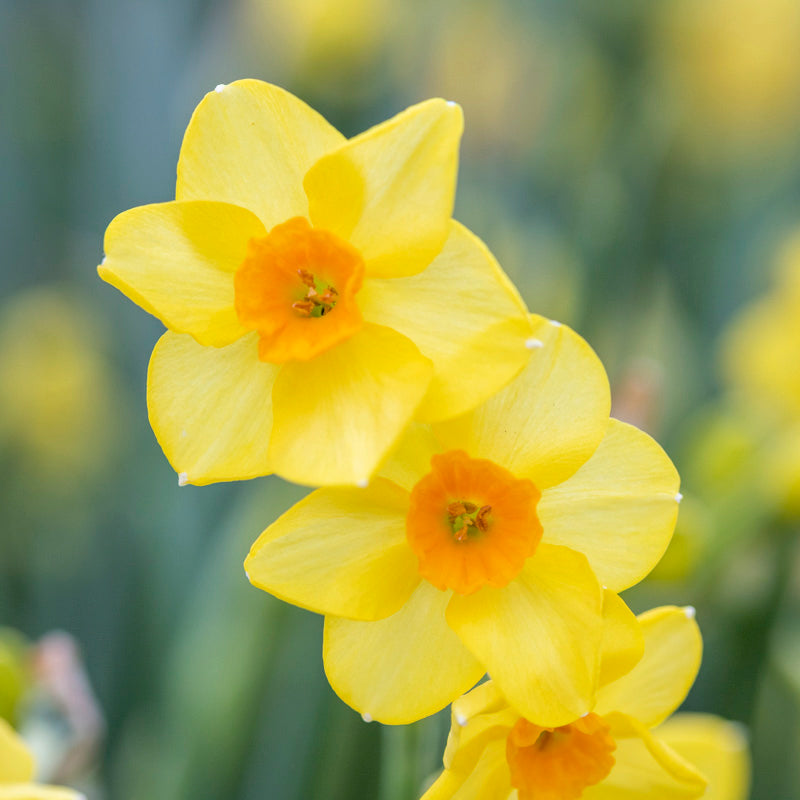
(635,166)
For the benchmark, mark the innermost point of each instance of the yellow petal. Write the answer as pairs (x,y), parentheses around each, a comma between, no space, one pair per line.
(390,190)
(337,415)
(619,508)
(623,641)
(176,260)
(547,422)
(16,761)
(645,767)
(402,668)
(36,791)
(250,143)
(410,458)
(211,408)
(717,748)
(339,551)
(658,684)
(489,780)
(469,736)
(540,636)
(464,314)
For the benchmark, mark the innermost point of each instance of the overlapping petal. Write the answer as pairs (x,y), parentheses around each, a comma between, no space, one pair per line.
(549,420)
(489,780)
(717,747)
(540,636)
(645,767)
(176,260)
(337,415)
(211,408)
(464,314)
(250,143)
(402,668)
(623,641)
(619,508)
(658,684)
(339,551)
(390,190)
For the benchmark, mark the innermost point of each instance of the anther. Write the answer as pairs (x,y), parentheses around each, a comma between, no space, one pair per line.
(480,518)
(303,307)
(307,278)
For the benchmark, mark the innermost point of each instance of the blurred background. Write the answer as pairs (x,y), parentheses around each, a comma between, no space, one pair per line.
(636,169)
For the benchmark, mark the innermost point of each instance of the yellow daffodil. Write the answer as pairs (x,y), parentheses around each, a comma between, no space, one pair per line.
(316,291)
(482,545)
(495,753)
(718,748)
(16,772)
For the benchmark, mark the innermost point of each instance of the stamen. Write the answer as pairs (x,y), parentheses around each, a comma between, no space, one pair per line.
(303,307)
(480,518)
(307,278)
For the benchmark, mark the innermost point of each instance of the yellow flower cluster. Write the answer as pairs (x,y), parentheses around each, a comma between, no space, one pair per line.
(479,511)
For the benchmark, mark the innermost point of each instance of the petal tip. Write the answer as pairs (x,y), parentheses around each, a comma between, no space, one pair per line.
(690,612)
(678,497)
(220,87)
(366,717)
(533,343)
(183,479)
(461,719)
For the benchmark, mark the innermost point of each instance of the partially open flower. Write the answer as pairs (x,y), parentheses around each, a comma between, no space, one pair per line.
(494,753)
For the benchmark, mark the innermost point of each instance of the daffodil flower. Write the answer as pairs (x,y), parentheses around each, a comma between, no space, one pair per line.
(17,768)
(495,753)
(316,291)
(483,545)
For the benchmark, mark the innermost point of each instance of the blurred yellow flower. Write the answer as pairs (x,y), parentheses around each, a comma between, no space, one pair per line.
(56,391)
(734,67)
(482,545)
(13,671)
(718,748)
(495,753)
(17,772)
(761,362)
(305,350)
(323,41)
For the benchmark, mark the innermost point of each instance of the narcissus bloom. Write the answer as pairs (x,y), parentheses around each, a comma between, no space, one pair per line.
(316,291)
(495,753)
(16,772)
(483,545)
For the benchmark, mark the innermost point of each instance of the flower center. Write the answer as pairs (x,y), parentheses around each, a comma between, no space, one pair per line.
(471,523)
(559,763)
(297,287)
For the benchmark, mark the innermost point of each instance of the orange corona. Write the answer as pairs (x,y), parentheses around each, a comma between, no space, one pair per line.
(472,523)
(559,763)
(297,287)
